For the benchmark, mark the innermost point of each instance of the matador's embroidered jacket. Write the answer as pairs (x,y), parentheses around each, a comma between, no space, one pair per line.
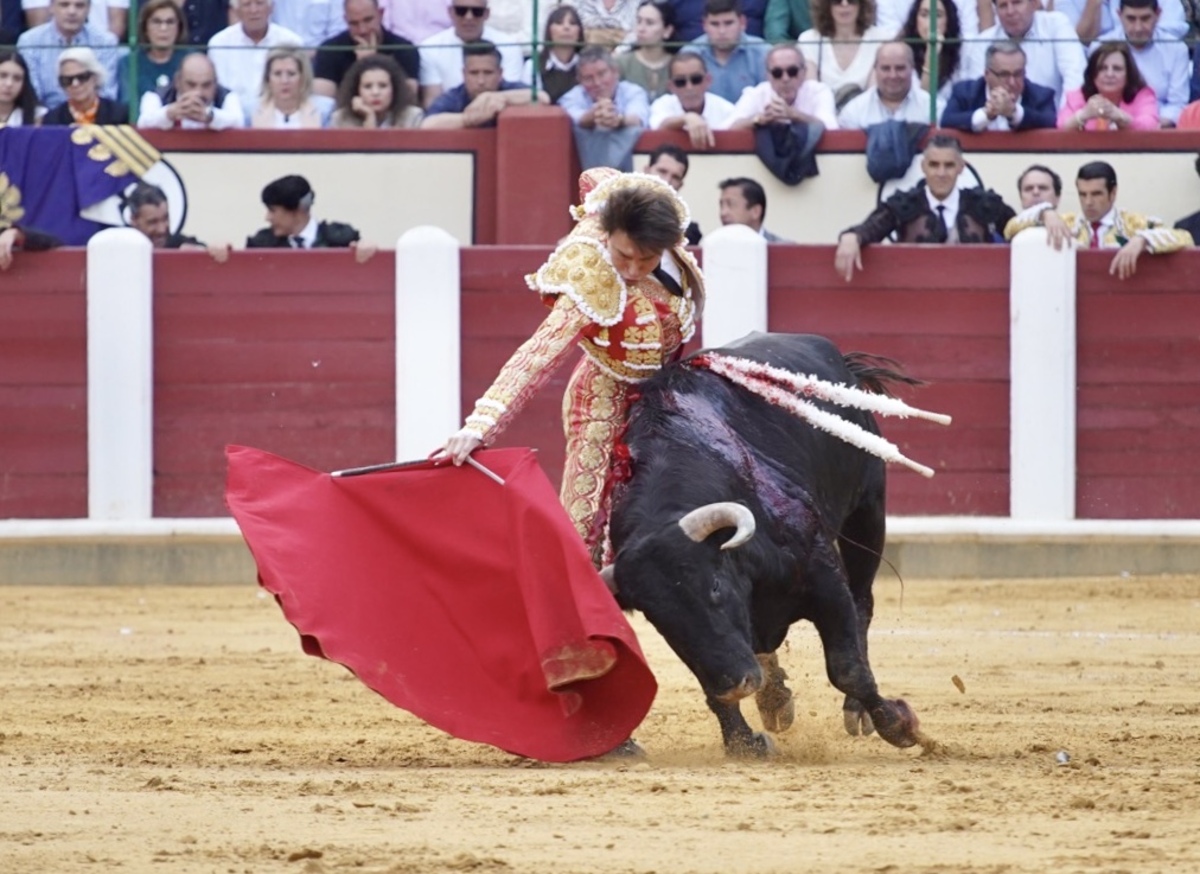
(1160,238)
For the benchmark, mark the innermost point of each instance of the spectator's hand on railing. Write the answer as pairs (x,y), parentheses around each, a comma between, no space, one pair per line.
(1057,232)
(698,131)
(219,252)
(364,252)
(849,255)
(1124,264)
(8,242)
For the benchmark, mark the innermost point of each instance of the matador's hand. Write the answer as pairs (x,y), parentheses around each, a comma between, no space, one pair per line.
(460,445)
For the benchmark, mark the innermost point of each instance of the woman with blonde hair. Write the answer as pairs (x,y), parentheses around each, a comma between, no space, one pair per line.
(839,49)
(81,76)
(374,94)
(286,100)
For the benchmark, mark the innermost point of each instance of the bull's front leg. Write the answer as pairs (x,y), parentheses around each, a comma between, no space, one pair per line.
(836,619)
(739,739)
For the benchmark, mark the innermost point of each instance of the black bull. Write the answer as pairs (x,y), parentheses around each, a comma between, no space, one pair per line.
(696,440)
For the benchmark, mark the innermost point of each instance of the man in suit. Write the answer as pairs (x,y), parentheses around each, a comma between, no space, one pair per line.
(1191,223)
(293,226)
(1001,99)
(936,211)
(1100,225)
(743,202)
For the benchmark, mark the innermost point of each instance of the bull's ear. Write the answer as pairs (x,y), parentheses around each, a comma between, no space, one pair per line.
(609,575)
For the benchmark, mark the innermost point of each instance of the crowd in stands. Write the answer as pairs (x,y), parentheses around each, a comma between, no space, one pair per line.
(617,68)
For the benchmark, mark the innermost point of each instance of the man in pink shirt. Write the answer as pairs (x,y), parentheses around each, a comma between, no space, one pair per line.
(415,20)
(785,97)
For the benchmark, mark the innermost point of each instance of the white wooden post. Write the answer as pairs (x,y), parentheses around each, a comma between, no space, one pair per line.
(1043,386)
(120,372)
(735,278)
(428,341)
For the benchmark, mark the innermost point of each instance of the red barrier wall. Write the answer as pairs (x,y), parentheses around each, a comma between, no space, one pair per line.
(43,387)
(945,319)
(1139,389)
(292,352)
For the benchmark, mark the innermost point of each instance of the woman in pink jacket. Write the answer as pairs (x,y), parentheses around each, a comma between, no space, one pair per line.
(1113,97)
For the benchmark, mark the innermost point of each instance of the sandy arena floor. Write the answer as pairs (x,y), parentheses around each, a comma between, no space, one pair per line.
(182,730)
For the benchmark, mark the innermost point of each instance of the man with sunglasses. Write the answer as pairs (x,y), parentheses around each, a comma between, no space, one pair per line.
(689,105)
(68,27)
(442,55)
(786,97)
(1002,99)
(733,57)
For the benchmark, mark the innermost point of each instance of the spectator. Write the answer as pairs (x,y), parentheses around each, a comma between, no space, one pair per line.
(735,59)
(363,37)
(743,202)
(416,20)
(915,32)
(161,30)
(670,164)
(286,95)
(1001,99)
(18,102)
(196,101)
(442,55)
(840,48)
(689,17)
(690,106)
(1113,96)
(375,94)
(289,202)
(314,20)
(786,97)
(150,213)
(482,96)
(647,64)
(1162,61)
(206,18)
(239,52)
(81,75)
(1101,225)
(893,97)
(68,27)
(15,239)
(556,62)
(937,210)
(1053,54)
(1093,18)
(891,15)
(608,115)
(785,20)
(1191,223)
(110,16)
(608,23)
(1189,119)
(1039,184)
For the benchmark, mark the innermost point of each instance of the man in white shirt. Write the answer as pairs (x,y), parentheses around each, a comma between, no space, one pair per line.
(314,20)
(194,102)
(1090,18)
(689,105)
(69,27)
(1053,54)
(893,97)
(239,52)
(1161,59)
(110,15)
(442,57)
(786,96)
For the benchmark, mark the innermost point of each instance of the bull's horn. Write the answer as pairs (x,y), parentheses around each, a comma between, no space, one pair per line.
(609,575)
(703,521)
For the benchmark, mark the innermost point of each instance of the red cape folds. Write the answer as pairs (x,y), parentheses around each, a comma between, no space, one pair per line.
(470,604)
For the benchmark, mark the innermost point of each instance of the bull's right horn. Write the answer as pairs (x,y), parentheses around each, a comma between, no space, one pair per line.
(703,521)
(609,575)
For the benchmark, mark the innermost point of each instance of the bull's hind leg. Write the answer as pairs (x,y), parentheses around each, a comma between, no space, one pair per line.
(775,703)
(861,545)
(836,617)
(736,733)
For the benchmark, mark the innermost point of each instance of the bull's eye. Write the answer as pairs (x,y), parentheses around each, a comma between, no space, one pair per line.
(715,593)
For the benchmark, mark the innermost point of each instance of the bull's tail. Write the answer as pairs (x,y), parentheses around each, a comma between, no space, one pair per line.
(877,373)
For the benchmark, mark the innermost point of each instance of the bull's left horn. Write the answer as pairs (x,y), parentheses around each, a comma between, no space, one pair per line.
(609,575)
(703,521)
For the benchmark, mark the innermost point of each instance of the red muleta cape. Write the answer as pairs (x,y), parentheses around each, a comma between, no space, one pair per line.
(470,604)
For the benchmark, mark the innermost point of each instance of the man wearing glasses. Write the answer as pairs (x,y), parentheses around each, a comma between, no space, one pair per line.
(68,27)
(733,57)
(1002,99)
(442,56)
(786,97)
(689,105)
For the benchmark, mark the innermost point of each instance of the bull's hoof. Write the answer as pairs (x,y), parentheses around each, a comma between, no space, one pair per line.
(897,724)
(857,720)
(775,703)
(780,717)
(626,750)
(756,746)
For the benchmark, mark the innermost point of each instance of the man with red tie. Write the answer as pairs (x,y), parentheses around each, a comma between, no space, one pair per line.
(1100,225)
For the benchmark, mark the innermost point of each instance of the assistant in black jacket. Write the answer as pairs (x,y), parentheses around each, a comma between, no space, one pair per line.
(289,210)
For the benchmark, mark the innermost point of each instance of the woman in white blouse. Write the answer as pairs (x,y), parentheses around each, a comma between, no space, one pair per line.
(286,99)
(840,48)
